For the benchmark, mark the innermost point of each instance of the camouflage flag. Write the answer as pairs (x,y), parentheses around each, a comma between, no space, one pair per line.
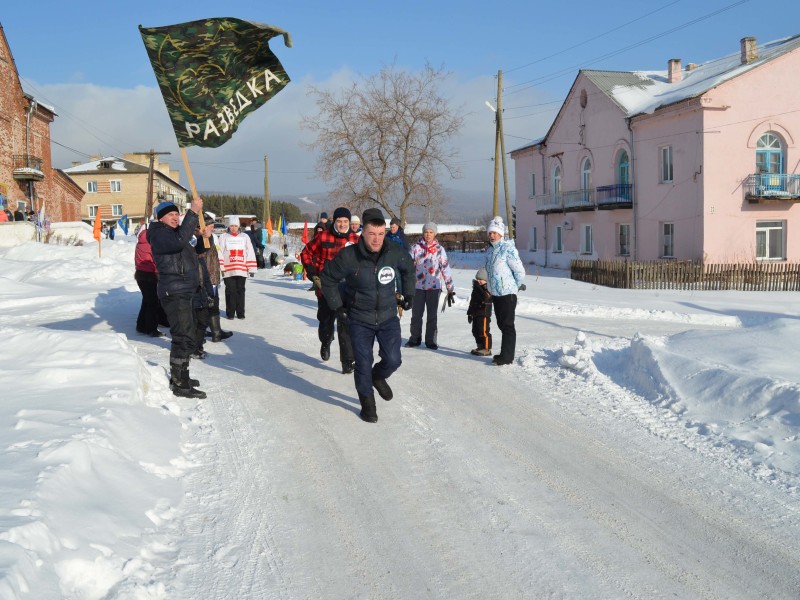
(213,73)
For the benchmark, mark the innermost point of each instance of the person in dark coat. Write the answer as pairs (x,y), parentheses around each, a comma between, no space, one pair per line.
(396,234)
(150,312)
(479,313)
(375,277)
(178,282)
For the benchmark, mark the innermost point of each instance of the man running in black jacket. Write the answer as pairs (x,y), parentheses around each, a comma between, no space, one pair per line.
(377,276)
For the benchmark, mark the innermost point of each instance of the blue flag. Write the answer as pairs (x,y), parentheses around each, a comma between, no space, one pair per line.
(123,223)
(284,228)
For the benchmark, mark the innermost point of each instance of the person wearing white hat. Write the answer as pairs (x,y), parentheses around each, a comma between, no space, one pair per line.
(355,224)
(506,275)
(238,260)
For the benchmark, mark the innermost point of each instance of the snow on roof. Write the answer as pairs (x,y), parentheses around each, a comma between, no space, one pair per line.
(118,164)
(643,92)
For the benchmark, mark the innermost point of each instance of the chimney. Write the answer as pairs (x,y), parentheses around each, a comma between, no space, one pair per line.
(674,70)
(691,66)
(75,163)
(749,50)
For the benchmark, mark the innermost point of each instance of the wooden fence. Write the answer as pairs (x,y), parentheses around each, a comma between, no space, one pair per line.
(688,275)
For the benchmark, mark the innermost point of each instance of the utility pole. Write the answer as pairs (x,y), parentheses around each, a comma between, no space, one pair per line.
(497,143)
(148,205)
(501,137)
(266,197)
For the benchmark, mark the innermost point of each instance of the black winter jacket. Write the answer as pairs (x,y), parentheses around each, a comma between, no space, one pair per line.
(371,280)
(175,257)
(480,303)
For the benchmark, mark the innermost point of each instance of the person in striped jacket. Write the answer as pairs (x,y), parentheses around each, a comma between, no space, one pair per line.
(237,260)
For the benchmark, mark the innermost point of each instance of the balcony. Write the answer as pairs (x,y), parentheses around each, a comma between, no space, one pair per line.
(606,197)
(772,187)
(27,167)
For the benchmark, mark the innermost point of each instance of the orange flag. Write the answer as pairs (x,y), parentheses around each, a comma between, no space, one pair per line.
(305,233)
(269,225)
(98,226)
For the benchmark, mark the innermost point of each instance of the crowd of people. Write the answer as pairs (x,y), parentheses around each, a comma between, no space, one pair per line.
(364,277)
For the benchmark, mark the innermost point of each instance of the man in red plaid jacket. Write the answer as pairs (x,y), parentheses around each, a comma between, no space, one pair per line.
(324,247)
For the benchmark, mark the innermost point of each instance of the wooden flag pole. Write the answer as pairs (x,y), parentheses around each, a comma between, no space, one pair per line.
(193,188)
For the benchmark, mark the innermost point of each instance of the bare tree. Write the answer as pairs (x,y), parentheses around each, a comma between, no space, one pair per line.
(384,141)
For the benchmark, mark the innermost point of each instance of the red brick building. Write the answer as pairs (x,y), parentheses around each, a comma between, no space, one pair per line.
(27,176)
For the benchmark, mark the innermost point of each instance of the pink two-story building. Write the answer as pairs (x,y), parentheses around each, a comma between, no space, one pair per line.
(699,162)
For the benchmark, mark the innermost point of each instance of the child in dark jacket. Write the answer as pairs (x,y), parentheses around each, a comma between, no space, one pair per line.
(479,314)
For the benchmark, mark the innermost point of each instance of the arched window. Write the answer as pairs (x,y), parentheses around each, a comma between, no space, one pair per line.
(623,168)
(557,180)
(769,154)
(586,174)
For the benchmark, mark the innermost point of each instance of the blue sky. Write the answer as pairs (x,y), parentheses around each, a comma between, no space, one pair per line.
(87,60)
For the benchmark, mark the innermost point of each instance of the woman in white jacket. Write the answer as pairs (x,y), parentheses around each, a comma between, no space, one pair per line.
(506,276)
(237,259)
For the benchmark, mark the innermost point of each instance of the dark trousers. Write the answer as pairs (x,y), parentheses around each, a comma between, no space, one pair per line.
(425,299)
(202,317)
(480,331)
(234,296)
(363,336)
(327,319)
(504,307)
(150,313)
(181,325)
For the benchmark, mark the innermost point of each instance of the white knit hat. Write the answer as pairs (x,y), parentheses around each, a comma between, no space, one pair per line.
(497,226)
(233,221)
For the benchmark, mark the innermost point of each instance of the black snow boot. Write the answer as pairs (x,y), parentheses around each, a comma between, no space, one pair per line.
(179,381)
(217,333)
(325,350)
(382,386)
(368,412)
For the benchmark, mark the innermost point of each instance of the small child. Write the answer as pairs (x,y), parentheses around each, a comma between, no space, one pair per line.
(479,314)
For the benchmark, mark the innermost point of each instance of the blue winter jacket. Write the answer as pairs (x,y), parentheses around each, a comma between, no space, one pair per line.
(504,268)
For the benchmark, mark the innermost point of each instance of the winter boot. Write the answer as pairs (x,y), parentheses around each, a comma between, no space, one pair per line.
(179,381)
(348,366)
(382,386)
(368,412)
(325,350)
(217,333)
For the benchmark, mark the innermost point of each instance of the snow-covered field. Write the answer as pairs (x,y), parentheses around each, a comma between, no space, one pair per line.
(645,444)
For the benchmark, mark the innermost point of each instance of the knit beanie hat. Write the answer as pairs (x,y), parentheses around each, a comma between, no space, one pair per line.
(430,226)
(341,213)
(164,208)
(233,221)
(355,219)
(497,226)
(323,215)
(373,214)
(482,274)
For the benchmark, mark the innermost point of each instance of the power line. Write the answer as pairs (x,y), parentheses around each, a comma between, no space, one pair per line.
(544,78)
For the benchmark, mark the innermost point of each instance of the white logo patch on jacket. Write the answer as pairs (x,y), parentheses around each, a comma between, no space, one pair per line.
(386,275)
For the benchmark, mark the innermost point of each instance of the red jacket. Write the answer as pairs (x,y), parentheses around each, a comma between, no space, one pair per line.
(143,256)
(324,247)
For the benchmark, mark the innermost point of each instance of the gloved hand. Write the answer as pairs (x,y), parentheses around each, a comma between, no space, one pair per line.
(316,283)
(451,297)
(404,302)
(469,318)
(252,274)
(341,314)
(523,287)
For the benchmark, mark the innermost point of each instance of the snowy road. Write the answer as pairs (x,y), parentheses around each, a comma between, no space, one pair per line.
(477,481)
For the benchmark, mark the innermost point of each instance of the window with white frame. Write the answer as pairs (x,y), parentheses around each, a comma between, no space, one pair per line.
(116,210)
(91,187)
(586,239)
(667,240)
(624,237)
(558,239)
(556,181)
(586,178)
(93,208)
(771,240)
(666,164)
(532,241)
(533,185)
(116,185)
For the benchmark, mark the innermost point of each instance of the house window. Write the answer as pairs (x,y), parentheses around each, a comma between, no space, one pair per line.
(666,163)
(623,168)
(558,239)
(93,210)
(116,185)
(116,210)
(771,240)
(532,241)
(624,236)
(533,185)
(667,240)
(586,239)
(557,181)
(91,187)
(586,178)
